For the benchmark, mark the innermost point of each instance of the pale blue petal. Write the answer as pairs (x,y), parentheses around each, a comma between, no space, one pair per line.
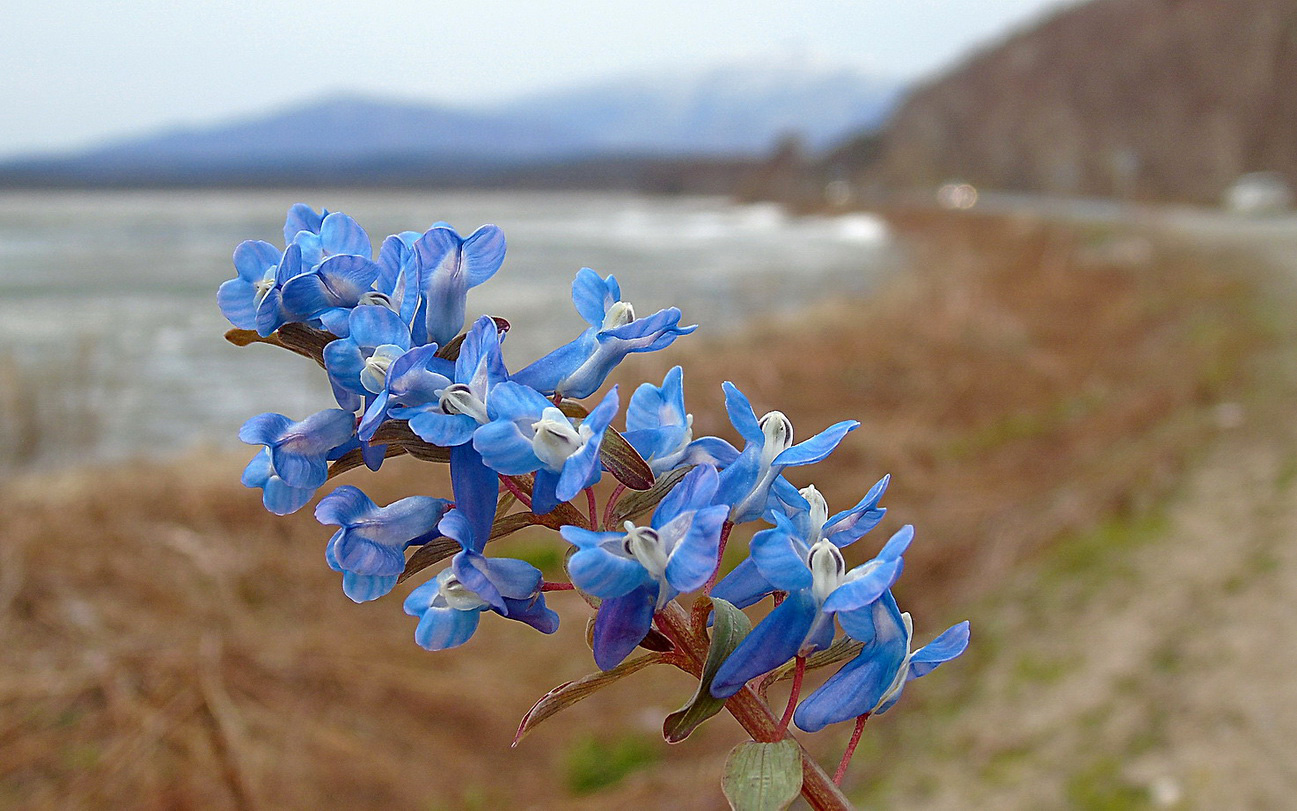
(593,296)
(818,447)
(586,539)
(443,628)
(282,499)
(298,470)
(237,300)
(340,234)
(694,558)
(896,546)
(743,586)
(545,374)
(344,361)
(504,448)
(375,325)
(346,278)
(265,429)
(374,416)
(742,417)
(778,556)
(604,574)
(483,254)
(444,430)
(301,217)
(270,313)
(952,642)
(364,556)
(405,520)
(252,258)
(846,527)
(258,470)
(346,506)
(865,590)
(695,491)
(511,401)
(514,579)
(363,588)
(710,450)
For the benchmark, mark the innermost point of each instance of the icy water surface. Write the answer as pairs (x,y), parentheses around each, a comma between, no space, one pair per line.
(110,339)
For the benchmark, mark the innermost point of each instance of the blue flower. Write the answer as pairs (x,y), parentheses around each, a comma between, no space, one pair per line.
(872,682)
(298,450)
(323,235)
(450,605)
(637,572)
(448,266)
(358,364)
(527,433)
(578,369)
(251,300)
(660,430)
(279,497)
(413,379)
(328,290)
(745,484)
(369,546)
(818,587)
(460,401)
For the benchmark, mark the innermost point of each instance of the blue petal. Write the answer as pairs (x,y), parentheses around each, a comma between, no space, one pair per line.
(863,591)
(818,447)
(742,417)
(737,480)
(443,430)
(483,254)
(237,300)
(282,499)
(511,401)
(695,556)
(534,612)
(443,628)
(336,320)
(375,325)
(743,586)
(253,258)
(346,506)
(344,361)
(896,546)
(504,448)
(778,555)
(301,217)
(265,429)
(476,489)
(593,296)
(374,416)
(544,492)
(604,574)
(363,556)
(305,296)
(695,491)
(480,354)
(851,692)
(298,470)
(340,234)
(259,470)
(405,520)
(846,527)
(710,450)
(774,641)
(270,313)
(320,433)
(514,579)
(952,642)
(362,588)
(547,373)
(620,625)
(347,278)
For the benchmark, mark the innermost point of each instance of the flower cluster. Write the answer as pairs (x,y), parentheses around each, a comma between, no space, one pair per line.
(409,377)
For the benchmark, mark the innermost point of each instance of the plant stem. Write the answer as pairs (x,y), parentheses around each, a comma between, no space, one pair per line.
(720,555)
(751,712)
(557,587)
(851,750)
(612,504)
(517,492)
(792,697)
(594,509)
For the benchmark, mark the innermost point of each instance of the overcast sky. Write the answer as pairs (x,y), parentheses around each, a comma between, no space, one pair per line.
(73,72)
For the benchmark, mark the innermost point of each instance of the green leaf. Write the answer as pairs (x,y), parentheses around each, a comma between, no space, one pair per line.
(624,462)
(729,628)
(641,501)
(397,432)
(573,409)
(432,552)
(763,776)
(565,695)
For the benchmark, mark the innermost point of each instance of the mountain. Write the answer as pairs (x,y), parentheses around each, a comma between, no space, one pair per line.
(730,112)
(1147,99)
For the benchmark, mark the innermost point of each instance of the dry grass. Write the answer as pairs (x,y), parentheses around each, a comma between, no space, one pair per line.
(168,644)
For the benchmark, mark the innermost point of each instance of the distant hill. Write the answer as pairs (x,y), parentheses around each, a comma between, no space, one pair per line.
(1152,99)
(737,111)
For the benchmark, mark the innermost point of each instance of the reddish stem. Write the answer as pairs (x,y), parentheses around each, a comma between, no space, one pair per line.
(512,487)
(612,504)
(594,508)
(798,673)
(720,555)
(557,587)
(749,710)
(851,750)
(558,398)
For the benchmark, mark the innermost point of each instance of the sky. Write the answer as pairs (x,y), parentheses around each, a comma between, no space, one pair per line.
(77,72)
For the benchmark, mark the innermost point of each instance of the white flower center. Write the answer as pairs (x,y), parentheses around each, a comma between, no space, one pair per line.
(554,439)
(819,512)
(619,314)
(827,569)
(779,436)
(458,398)
(644,545)
(456,594)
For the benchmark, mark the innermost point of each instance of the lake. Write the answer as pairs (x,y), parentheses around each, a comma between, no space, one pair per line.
(110,339)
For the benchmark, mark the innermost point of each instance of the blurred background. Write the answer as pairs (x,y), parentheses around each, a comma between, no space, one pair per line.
(1044,251)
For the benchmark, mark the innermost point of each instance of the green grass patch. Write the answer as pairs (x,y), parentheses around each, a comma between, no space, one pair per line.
(594,764)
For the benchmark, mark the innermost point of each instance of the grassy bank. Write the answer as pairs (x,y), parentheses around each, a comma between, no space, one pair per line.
(169,644)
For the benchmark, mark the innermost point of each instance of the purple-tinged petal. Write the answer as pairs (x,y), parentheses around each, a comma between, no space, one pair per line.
(845,528)
(265,429)
(301,217)
(818,447)
(533,612)
(362,588)
(476,489)
(346,278)
(345,506)
(444,628)
(710,450)
(772,642)
(544,492)
(620,625)
(282,499)
(375,325)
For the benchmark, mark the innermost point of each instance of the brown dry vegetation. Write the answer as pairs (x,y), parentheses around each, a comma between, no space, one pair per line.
(168,644)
